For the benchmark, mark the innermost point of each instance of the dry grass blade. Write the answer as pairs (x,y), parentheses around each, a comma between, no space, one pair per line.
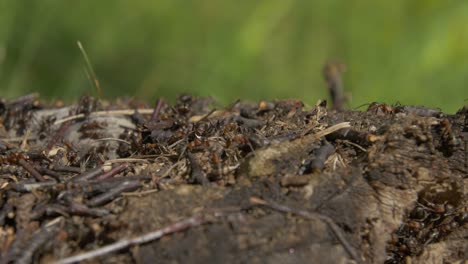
(90,70)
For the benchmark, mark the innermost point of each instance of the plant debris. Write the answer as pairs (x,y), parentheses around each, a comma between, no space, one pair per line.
(126,182)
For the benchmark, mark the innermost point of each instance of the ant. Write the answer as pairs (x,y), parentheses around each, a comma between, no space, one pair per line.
(13,158)
(380,107)
(377,108)
(87,105)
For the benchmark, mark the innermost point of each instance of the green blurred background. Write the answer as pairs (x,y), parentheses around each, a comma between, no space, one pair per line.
(414,52)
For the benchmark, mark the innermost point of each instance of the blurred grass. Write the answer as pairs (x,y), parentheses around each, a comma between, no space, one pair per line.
(413,52)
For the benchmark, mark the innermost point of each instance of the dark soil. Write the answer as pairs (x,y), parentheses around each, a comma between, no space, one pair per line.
(273,182)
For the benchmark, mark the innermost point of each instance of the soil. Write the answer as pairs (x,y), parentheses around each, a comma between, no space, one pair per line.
(267,182)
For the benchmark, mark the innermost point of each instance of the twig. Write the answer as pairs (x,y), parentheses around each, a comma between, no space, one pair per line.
(29,168)
(124,160)
(355,145)
(114,139)
(206,116)
(87,175)
(103,186)
(157,109)
(117,169)
(332,73)
(126,186)
(215,113)
(29,187)
(72,208)
(49,172)
(57,137)
(139,194)
(75,208)
(311,215)
(67,169)
(125,243)
(176,143)
(166,173)
(144,111)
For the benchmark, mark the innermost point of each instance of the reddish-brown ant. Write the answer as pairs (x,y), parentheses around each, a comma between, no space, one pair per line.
(13,158)
(380,108)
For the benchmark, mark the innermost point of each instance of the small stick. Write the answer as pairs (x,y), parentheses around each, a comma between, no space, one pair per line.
(29,168)
(140,194)
(72,208)
(311,215)
(57,137)
(157,109)
(67,169)
(206,116)
(29,187)
(114,139)
(166,172)
(355,145)
(176,143)
(212,113)
(75,208)
(49,172)
(124,160)
(103,186)
(104,198)
(105,113)
(332,73)
(193,221)
(117,169)
(87,175)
